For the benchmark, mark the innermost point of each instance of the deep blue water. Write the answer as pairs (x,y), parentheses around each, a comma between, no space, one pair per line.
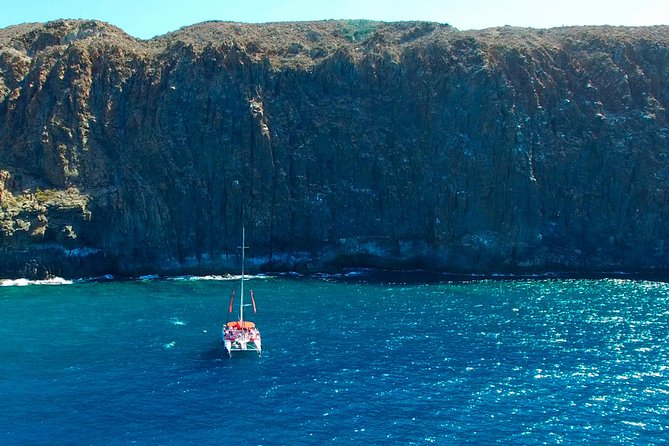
(344,362)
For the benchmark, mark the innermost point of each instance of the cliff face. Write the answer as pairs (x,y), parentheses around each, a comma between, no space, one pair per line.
(336,144)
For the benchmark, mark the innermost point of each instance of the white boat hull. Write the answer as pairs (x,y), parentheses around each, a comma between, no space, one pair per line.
(241,341)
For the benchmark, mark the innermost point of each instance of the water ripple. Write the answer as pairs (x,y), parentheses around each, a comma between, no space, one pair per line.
(483,362)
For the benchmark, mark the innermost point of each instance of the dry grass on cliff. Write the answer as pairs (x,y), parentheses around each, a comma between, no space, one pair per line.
(303,44)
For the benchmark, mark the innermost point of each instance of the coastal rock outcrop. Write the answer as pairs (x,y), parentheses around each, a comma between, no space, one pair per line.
(337,144)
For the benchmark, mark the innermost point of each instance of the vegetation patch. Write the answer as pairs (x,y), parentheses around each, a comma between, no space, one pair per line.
(356,30)
(29,210)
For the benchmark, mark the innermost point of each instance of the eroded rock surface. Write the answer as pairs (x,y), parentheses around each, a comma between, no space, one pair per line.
(337,144)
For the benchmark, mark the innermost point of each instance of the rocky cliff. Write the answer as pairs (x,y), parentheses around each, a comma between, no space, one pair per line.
(338,143)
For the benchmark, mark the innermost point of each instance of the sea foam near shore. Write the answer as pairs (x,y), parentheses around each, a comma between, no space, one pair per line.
(26,282)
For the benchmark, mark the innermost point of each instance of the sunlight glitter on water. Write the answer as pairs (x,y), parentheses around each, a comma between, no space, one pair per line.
(573,361)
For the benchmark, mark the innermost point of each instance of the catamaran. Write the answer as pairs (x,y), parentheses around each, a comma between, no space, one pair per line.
(241,335)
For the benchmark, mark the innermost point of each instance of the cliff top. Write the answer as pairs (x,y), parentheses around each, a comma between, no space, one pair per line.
(31,38)
(304,43)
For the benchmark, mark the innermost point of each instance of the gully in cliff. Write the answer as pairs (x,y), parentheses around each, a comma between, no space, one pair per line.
(241,335)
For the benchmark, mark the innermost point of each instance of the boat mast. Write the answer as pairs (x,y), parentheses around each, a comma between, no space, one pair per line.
(241,301)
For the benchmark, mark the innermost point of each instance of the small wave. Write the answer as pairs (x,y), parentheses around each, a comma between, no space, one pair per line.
(215,277)
(103,278)
(635,424)
(26,282)
(197,278)
(100,278)
(289,274)
(323,276)
(350,274)
(177,321)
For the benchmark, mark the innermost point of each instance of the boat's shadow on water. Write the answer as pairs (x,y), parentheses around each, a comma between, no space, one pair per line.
(214,356)
(217,356)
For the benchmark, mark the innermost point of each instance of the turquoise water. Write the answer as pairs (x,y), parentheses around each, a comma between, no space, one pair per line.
(344,362)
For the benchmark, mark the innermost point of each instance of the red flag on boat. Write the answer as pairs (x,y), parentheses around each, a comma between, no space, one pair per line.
(253,301)
(231,299)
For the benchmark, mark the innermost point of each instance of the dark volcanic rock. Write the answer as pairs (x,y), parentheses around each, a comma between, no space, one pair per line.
(337,144)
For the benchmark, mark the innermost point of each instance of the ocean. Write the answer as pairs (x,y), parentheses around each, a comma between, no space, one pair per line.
(348,359)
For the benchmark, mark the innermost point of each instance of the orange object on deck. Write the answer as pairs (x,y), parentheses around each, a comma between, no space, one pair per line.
(238,324)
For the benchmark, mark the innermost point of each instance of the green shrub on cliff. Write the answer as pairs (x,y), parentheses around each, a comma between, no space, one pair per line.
(356,30)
